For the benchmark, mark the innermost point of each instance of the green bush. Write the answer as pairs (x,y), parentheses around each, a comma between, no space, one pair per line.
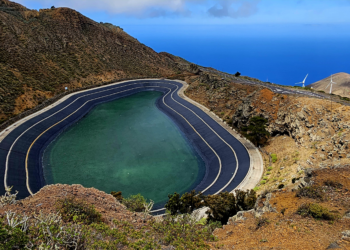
(173,204)
(224,202)
(135,203)
(12,238)
(191,201)
(273,158)
(184,204)
(73,210)
(314,192)
(245,200)
(221,207)
(225,205)
(117,195)
(256,131)
(262,182)
(316,211)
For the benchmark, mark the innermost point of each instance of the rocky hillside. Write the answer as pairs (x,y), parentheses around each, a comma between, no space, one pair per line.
(43,51)
(342,86)
(306,167)
(305,132)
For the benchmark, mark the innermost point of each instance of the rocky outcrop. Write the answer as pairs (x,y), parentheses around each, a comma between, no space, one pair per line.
(304,122)
(312,123)
(262,206)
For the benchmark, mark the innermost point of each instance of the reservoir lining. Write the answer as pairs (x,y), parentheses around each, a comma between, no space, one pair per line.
(173,105)
(125,145)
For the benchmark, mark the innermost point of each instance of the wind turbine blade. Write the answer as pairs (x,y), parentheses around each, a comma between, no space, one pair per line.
(328,85)
(305,78)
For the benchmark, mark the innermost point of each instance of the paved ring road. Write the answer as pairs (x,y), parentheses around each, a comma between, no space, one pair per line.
(227,160)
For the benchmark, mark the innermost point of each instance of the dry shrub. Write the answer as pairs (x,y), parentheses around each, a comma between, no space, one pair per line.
(314,192)
(333,183)
(261,221)
(316,211)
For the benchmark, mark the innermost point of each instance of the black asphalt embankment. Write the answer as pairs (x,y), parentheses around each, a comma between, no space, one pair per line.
(21,150)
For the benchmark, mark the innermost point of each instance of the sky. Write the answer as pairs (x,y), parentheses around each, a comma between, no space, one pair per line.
(204,12)
(281,40)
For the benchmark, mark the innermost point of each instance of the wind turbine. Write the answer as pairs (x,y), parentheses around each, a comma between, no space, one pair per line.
(330,90)
(303,82)
(331,83)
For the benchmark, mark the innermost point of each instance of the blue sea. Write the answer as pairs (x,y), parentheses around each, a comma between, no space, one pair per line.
(282,54)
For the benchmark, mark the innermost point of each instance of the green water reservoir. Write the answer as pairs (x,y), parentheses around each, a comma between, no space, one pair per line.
(125,145)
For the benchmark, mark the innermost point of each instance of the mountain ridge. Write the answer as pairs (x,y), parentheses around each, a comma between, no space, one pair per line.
(44,51)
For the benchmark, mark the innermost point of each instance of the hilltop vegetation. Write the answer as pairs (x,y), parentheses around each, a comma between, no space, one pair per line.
(43,51)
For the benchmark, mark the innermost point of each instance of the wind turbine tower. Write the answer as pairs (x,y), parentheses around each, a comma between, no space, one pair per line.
(303,82)
(331,83)
(330,90)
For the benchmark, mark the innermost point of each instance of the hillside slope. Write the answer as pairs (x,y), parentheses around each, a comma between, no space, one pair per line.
(43,51)
(342,86)
(305,132)
(310,143)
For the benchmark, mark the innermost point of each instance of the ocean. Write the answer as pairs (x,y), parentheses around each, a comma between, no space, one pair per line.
(282,54)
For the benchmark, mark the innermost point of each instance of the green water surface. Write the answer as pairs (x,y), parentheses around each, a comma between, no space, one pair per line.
(125,145)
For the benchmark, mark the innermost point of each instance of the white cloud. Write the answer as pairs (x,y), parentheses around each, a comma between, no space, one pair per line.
(139,8)
(234,8)
(156,8)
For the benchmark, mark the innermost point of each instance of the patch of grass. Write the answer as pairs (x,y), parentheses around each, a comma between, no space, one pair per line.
(316,211)
(274,158)
(268,173)
(256,189)
(262,182)
(269,168)
(314,192)
(74,210)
